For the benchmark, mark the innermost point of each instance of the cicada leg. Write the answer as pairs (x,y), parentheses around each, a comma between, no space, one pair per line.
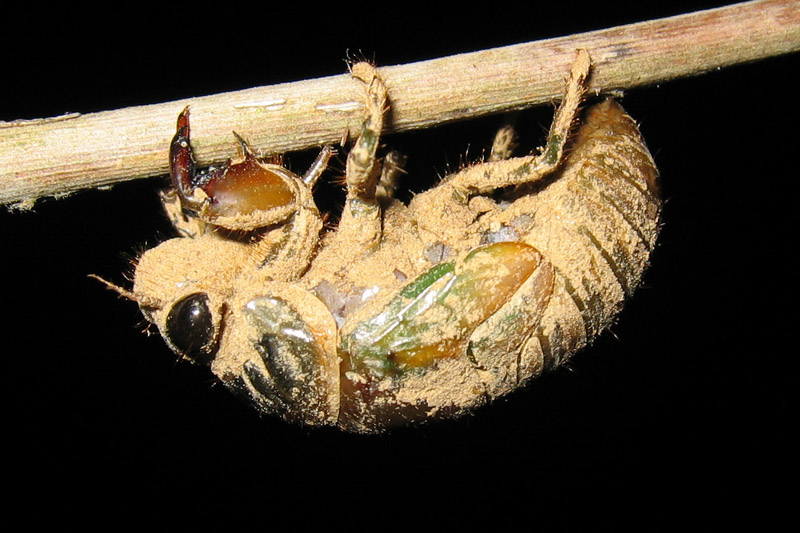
(279,351)
(499,173)
(259,203)
(360,225)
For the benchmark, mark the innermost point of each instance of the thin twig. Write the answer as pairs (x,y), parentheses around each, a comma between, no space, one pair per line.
(59,155)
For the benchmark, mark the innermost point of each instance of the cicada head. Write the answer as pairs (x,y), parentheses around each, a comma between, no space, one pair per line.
(181,288)
(270,342)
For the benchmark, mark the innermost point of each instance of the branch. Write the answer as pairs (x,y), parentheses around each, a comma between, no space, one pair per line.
(56,156)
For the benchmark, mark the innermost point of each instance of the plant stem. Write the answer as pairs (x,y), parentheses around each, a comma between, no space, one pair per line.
(56,156)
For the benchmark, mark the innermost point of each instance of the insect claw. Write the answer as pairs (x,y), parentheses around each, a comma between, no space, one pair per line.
(183,117)
(182,164)
(244,147)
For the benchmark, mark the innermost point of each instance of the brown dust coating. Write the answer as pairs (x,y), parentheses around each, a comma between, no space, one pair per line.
(291,310)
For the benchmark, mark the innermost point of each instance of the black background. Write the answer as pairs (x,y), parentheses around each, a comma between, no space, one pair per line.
(685,405)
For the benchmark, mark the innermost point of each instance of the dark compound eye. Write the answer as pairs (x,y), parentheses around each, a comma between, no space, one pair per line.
(190,328)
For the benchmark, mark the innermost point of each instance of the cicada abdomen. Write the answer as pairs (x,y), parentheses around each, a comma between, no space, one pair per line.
(596,224)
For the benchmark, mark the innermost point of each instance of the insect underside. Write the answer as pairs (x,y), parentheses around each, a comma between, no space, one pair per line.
(411,312)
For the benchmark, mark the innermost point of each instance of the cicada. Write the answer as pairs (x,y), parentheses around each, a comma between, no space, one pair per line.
(404,312)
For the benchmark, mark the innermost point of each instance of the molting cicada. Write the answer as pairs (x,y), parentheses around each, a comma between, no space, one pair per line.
(403,313)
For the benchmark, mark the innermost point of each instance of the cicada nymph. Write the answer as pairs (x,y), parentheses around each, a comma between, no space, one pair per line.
(403,313)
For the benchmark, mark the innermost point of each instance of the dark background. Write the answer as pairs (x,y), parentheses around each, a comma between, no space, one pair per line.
(684,406)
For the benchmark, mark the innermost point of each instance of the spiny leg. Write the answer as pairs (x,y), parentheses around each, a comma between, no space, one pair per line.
(360,224)
(495,174)
(361,177)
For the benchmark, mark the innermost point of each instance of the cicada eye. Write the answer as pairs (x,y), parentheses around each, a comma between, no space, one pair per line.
(190,328)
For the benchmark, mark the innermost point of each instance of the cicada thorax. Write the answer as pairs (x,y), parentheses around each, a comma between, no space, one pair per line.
(521,284)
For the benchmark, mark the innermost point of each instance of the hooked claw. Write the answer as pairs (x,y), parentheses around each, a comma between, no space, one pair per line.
(182,164)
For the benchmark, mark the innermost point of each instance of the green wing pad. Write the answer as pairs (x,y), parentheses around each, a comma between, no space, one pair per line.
(434,315)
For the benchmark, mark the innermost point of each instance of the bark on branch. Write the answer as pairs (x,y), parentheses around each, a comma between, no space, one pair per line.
(56,156)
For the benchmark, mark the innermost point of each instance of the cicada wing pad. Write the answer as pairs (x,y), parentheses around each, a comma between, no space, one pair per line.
(501,345)
(458,317)
(280,352)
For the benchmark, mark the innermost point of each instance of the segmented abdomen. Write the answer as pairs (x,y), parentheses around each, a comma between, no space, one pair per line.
(597,224)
